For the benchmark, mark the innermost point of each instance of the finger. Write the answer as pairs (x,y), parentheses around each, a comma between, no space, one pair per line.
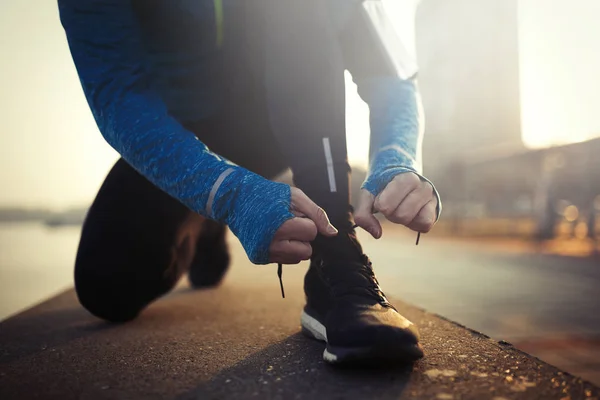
(412,205)
(289,251)
(425,219)
(395,192)
(301,203)
(298,213)
(302,229)
(363,216)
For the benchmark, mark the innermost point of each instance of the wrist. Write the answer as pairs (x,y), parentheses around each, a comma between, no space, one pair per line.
(254,208)
(376,181)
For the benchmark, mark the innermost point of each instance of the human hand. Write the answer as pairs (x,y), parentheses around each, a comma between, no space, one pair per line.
(406,200)
(291,243)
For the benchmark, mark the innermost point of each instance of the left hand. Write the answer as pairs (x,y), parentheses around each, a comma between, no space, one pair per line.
(406,200)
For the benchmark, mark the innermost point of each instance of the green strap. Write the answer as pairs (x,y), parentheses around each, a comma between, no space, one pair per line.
(219,20)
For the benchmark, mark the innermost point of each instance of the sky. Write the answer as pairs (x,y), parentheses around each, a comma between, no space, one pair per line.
(560,59)
(52,155)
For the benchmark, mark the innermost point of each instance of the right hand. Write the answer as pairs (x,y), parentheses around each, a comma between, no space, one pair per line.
(291,243)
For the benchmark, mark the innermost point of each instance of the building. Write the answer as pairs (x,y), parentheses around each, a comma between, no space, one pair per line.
(469,78)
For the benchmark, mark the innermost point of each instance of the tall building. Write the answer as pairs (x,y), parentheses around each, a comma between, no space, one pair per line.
(469,77)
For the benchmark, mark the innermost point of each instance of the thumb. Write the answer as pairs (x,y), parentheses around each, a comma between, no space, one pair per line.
(303,204)
(363,216)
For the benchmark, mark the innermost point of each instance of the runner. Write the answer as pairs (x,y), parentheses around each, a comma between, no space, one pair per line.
(206,101)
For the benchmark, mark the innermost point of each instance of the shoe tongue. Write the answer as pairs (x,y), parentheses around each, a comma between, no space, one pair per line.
(343,258)
(344,266)
(342,247)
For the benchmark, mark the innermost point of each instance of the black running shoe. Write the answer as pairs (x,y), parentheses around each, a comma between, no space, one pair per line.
(346,308)
(211,260)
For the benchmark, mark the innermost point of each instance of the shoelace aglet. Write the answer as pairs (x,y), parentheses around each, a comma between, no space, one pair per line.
(279,274)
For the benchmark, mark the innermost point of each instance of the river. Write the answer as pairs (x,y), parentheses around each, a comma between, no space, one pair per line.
(35,262)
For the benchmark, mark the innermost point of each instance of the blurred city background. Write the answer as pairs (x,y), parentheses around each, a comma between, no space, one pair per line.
(512,101)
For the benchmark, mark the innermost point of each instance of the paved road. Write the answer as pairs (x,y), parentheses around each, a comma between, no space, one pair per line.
(242,341)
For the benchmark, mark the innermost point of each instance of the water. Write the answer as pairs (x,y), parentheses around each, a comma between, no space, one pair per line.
(36,262)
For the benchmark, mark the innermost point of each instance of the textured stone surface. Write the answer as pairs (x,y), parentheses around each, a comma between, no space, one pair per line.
(243,341)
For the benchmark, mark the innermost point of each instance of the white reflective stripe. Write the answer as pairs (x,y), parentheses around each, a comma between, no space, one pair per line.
(215,188)
(329,159)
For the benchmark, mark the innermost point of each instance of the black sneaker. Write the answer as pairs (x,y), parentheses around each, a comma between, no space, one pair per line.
(346,308)
(211,260)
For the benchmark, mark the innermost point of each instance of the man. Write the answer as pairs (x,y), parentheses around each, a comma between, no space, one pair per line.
(206,100)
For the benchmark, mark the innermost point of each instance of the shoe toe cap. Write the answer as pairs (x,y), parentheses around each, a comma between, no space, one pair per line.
(386,328)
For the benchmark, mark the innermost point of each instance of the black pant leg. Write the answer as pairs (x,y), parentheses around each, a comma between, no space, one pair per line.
(127,254)
(304,76)
(241,130)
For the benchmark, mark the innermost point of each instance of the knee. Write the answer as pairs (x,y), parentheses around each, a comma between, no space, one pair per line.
(106,297)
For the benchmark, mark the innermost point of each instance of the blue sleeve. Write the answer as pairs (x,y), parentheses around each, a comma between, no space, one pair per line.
(396,121)
(106,46)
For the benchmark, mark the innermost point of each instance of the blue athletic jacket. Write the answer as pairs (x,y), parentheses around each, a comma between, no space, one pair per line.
(138,92)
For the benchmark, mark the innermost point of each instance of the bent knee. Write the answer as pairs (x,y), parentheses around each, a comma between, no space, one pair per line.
(108,297)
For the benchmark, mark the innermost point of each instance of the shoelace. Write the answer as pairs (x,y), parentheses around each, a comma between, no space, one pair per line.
(279,274)
(370,275)
(280,266)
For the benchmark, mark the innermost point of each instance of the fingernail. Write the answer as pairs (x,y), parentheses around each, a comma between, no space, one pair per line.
(331,229)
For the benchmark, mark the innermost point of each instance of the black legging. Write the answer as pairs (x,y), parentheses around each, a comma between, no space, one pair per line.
(127,253)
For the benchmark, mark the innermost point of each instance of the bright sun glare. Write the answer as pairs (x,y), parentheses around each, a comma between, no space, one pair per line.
(52,153)
(560,88)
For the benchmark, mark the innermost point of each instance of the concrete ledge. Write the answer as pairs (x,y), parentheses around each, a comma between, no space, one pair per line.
(243,342)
